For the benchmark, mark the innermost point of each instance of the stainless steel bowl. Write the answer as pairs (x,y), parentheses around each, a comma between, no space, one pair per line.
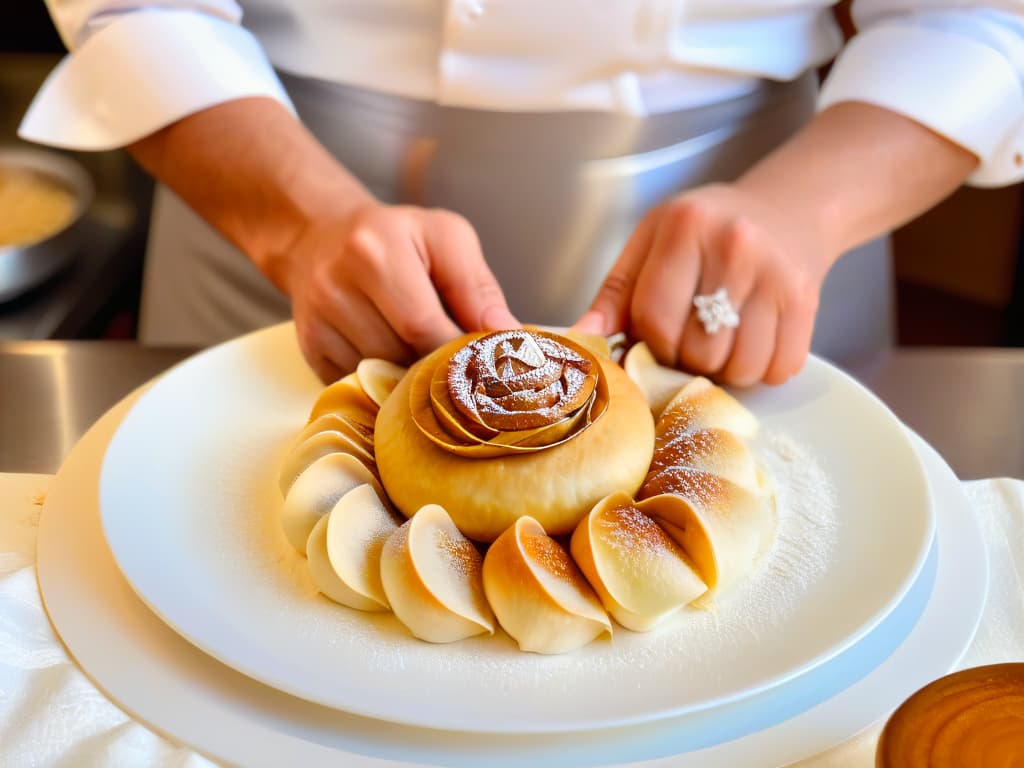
(26,265)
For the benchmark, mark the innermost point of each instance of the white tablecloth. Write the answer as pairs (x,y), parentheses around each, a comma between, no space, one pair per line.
(52,715)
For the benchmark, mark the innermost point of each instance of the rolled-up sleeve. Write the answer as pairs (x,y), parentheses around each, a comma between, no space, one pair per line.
(955,67)
(133,69)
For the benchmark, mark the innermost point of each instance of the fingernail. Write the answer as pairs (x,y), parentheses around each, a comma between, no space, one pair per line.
(498,319)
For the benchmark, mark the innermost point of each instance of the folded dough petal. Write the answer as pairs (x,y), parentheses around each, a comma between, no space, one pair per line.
(360,432)
(346,397)
(658,383)
(700,405)
(431,575)
(315,492)
(717,451)
(721,526)
(344,549)
(538,593)
(640,573)
(378,378)
(322,443)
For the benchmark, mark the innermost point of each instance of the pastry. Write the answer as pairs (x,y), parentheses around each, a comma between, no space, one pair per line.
(640,573)
(378,378)
(658,383)
(432,577)
(344,549)
(315,492)
(722,527)
(334,452)
(318,445)
(701,405)
(514,438)
(538,593)
(704,486)
(496,426)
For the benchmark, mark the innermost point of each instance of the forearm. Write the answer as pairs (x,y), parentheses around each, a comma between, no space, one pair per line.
(254,172)
(857,171)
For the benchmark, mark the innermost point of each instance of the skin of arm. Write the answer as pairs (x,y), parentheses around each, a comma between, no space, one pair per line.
(852,173)
(365,279)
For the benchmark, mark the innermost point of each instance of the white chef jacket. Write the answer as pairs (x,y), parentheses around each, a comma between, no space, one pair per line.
(137,65)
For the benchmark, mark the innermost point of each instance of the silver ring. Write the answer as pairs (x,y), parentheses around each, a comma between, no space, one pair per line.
(715,310)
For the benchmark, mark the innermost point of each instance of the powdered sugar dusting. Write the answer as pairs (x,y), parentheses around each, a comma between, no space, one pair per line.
(628,532)
(760,605)
(459,554)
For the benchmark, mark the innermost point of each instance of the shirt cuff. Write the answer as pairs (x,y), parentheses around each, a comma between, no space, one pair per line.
(958,87)
(144,71)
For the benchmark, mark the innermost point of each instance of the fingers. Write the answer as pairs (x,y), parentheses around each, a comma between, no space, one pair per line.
(665,287)
(374,291)
(327,352)
(754,343)
(731,264)
(385,264)
(610,311)
(793,337)
(357,319)
(461,275)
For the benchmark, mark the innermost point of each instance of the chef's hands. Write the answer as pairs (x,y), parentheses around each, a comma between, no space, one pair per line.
(771,265)
(769,239)
(364,279)
(376,284)
(370,279)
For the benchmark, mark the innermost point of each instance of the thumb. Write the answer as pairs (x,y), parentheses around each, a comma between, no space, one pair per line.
(462,277)
(593,321)
(609,312)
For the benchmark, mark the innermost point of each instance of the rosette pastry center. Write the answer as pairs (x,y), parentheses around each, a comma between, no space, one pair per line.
(502,425)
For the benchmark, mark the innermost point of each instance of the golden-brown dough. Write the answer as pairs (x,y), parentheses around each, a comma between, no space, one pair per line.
(484,496)
(346,397)
(639,572)
(538,594)
(722,527)
(431,575)
(718,451)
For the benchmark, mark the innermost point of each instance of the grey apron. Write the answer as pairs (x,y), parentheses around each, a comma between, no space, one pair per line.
(553,197)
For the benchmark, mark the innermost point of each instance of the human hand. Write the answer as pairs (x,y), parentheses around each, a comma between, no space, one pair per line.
(372,284)
(770,262)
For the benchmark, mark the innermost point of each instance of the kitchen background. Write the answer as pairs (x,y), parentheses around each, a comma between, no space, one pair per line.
(959,268)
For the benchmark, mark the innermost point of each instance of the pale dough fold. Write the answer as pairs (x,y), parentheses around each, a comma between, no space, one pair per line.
(640,573)
(432,577)
(538,594)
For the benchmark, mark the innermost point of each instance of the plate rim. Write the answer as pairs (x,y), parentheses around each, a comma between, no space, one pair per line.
(535,726)
(317,751)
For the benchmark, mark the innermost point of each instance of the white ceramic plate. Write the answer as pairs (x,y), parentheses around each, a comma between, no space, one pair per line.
(130,653)
(189,507)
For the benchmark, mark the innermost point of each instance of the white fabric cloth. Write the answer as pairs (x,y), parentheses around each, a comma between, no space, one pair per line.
(138,65)
(51,714)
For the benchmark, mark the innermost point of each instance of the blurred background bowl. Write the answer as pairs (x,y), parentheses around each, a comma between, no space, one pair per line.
(26,265)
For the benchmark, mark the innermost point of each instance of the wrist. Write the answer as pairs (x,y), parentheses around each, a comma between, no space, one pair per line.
(314,201)
(254,172)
